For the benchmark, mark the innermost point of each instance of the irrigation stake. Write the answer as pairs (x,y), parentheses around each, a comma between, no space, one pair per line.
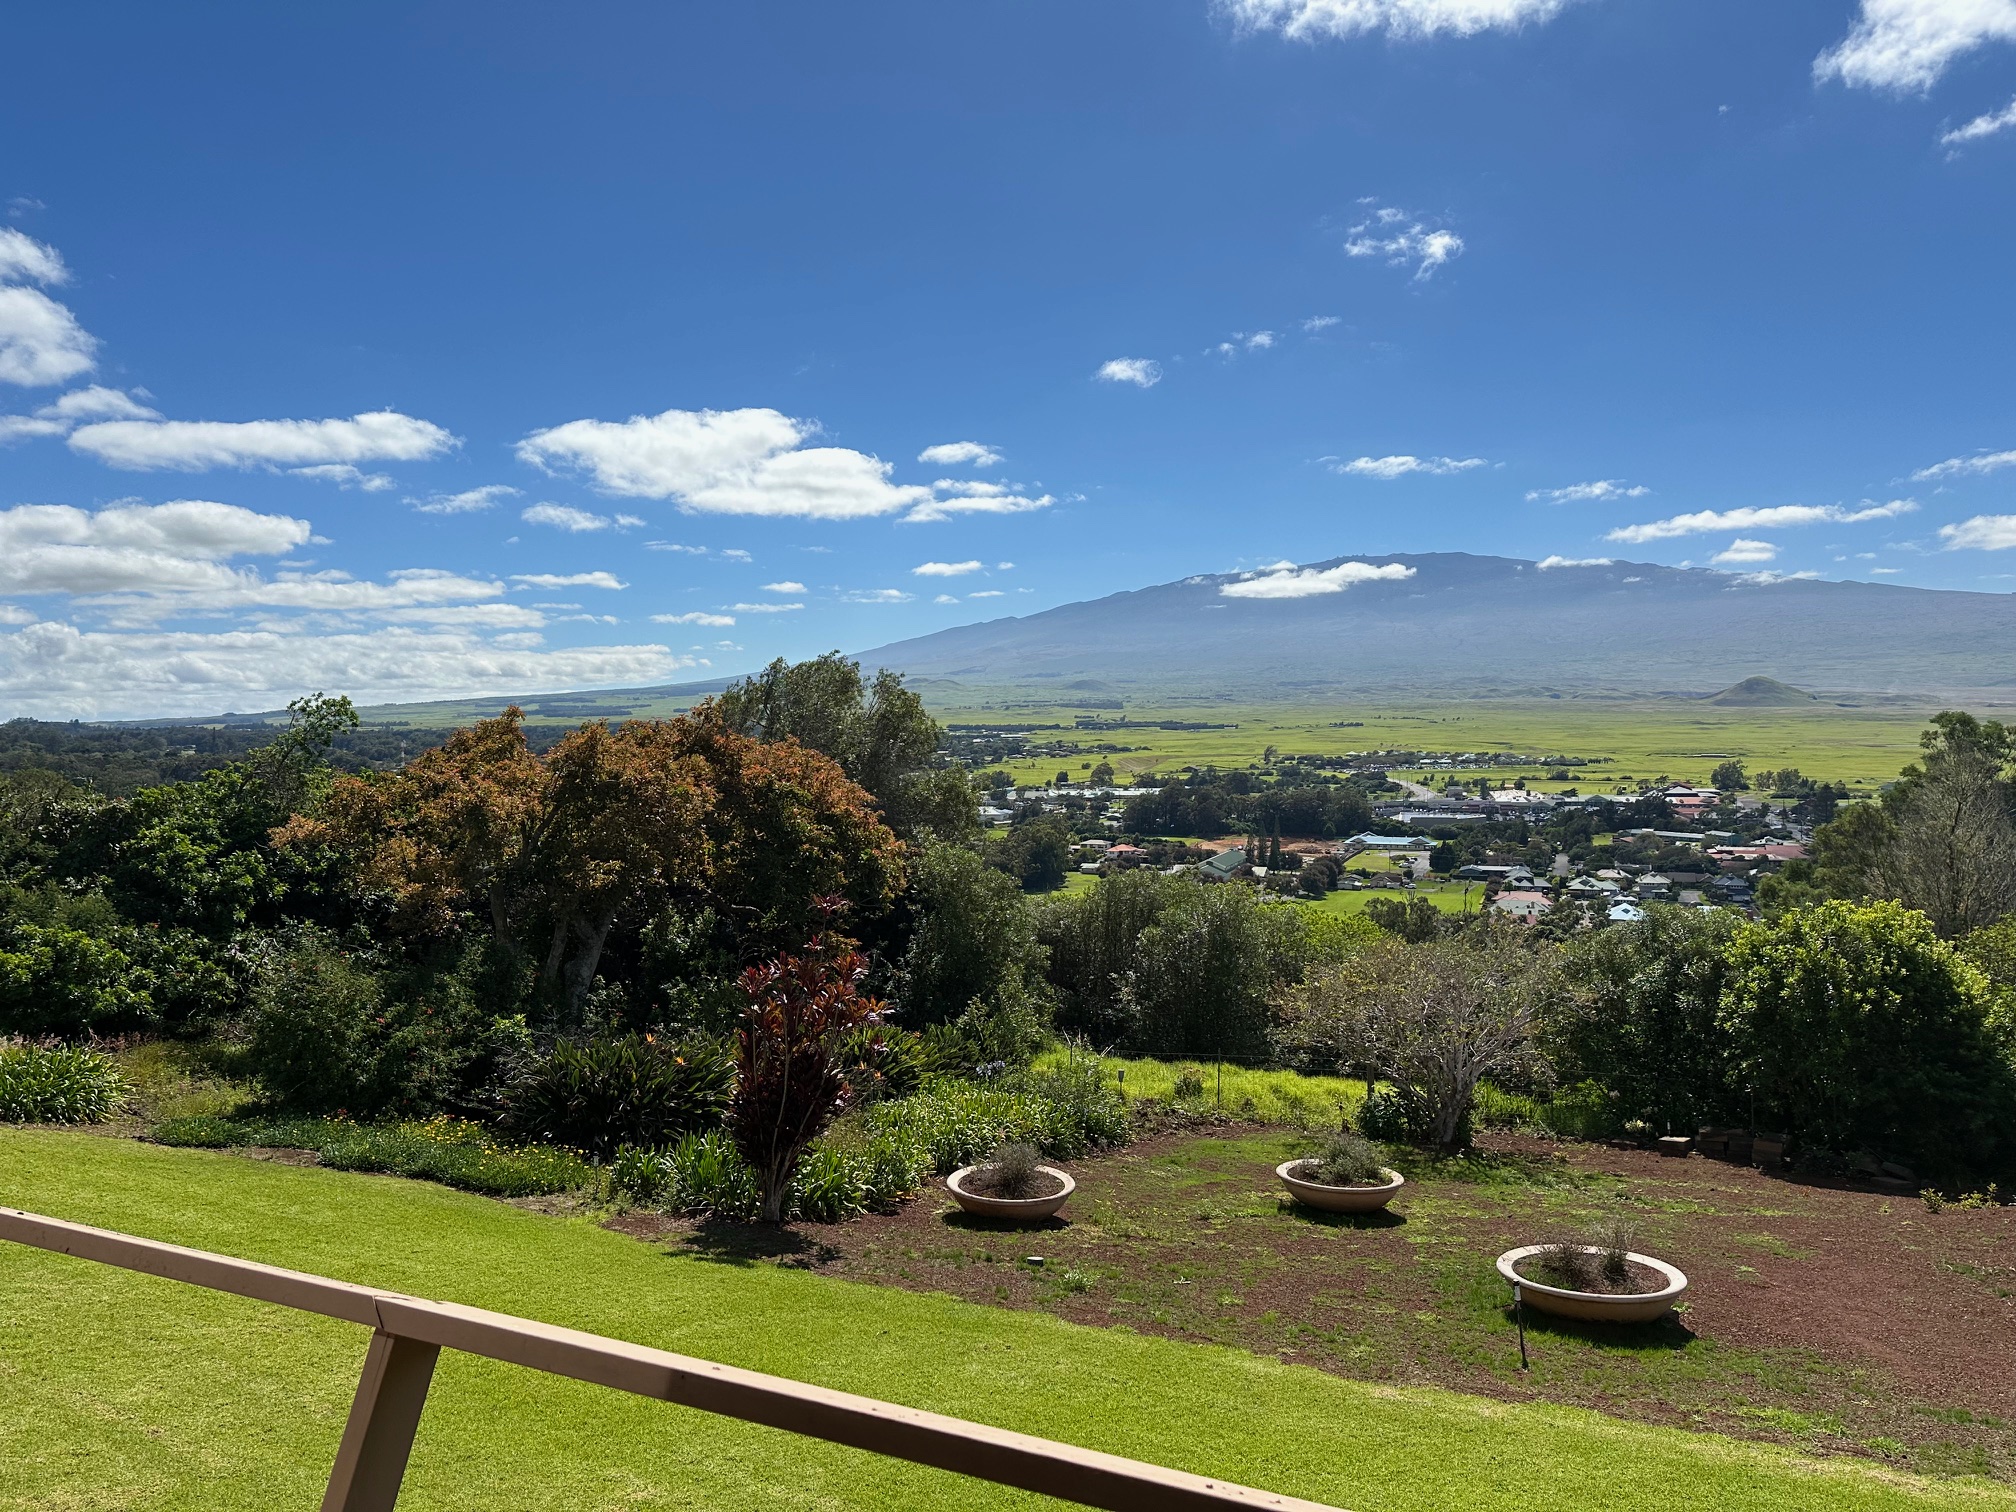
(1519,1312)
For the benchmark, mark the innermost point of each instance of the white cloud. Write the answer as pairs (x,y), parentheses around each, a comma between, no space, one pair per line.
(569,580)
(25,260)
(1775,517)
(1548,564)
(945,569)
(988,593)
(1004,566)
(1398,467)
(1601,491)
(1741,551)
(1291,582)
(876,596)
(563,517)
(1885,571)
(71,410)
(733,555)
(694,618)
(40,340)
(675,546)
(975,498)
(1245,341)
(946,598)
(467,502)
(1976,465)
(1982,533)
(26,428)
(1907,44)
(57,548)
(194,445)
(343,475)
(1766,579)
(1311,20)
(1402,238)
(1317,323)
(1981,126)
(58,671)
(958,453)
(787,586)
(767,608)
(1143,372)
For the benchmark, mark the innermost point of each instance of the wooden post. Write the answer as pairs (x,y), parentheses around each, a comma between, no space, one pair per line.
(371,1461)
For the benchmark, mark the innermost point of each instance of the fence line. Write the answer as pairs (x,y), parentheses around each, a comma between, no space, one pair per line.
(408,1334)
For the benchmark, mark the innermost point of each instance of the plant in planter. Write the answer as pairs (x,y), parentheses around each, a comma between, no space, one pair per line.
(1012,1183)
(1596,1278)
(1347,1175)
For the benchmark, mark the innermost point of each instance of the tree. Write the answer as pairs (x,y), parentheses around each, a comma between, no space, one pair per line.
(975,940)
(790,1068)
(1640,1015)
(1102,775)
(1413,920)
(1433,1020)
(1729,777)
(1204,968)
(1859,1029)
(1037,853)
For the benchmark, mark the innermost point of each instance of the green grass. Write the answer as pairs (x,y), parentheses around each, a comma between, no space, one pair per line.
(128,1392)
(1273,1097)
(1449,897)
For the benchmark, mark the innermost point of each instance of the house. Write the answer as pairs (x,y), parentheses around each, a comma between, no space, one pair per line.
(1383,845)
(1524,906)
(1592,887)
(1133,855)
(1219,868)
(1511,876)
(1742,857)
(1734,890)
(1611,874)
(1625,913)
(1654,886)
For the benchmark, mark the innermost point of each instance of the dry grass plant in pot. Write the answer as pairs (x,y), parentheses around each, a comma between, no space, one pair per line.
(1011,1183)
(1348,1175)
(1596,1277)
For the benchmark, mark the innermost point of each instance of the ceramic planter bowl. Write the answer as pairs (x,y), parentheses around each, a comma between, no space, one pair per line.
(1593,1307)
(1026,1209)
(1336,1199)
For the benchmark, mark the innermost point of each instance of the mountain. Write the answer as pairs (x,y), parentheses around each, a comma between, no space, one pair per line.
(1761,693)
(1450,622)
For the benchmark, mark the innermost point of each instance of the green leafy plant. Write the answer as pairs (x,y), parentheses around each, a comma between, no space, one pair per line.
(56,1084)
(602,1094)
(1013,1170)
(1346,1159)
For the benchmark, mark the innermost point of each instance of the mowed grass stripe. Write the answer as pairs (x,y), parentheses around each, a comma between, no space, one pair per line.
(126,1392)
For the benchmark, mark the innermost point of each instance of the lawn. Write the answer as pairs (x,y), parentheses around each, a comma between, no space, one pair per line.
(132,1393)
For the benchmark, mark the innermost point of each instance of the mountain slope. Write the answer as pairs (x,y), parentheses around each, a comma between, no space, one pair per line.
(1459,622)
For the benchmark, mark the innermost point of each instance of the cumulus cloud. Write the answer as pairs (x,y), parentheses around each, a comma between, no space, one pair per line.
(343,475)
(41,342)
(1398,467)
(1907,44)
(564,517)
(58,548)
(787,586)
(876,596)
(468,501)
(1405,20)
(988,593)
(72,410)
(1290,582)
(732,555)
(1774,517)
(959,497)
(767,608)
(1402,239)
(695,617)
(960,453)
(1982,533)
(1959,467)
(1548,564)
(945,569)
(1601,491)
(569,580)
(195,445)
(1981,126)
(1741,551)
(60,671)
(1142,372)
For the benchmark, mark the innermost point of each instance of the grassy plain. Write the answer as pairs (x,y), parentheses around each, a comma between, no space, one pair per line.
(134,1393)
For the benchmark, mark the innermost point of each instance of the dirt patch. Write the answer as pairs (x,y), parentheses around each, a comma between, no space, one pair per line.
(1839,1320)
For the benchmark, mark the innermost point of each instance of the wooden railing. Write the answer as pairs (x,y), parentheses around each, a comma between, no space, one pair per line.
(409,1333)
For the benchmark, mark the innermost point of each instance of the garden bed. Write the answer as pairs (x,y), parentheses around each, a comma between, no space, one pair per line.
(1839,1320)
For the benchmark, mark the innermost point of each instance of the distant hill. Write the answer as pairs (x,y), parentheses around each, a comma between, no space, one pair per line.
(1761,693)
(1452,623)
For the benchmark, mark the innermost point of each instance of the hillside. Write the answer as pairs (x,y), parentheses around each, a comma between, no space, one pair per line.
(1479,625)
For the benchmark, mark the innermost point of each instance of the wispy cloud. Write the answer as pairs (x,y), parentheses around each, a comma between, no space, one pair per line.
(1982,533)
(1774,517)
(343,475)
(766,608)
(1399,467)
(1601,491)
(196,445)
(988,593)
(1907,44)
(1143,372)
(41,342)
(1290,582)
(787,586)
(960,453)
(1406,20)
(72,410)
(1994,122)
(566,517)
(1744,551)
(1403,239)
(1317,323)
(696,617)
(876,596)
(946,598)
(957,497)
(468,501)
(945,569)
(1549,564)
(1959,467)
(569,580)
(1766,579)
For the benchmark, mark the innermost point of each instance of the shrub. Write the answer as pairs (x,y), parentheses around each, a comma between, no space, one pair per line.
(603,1094)
(213,1132)
(952,1123)
(708,1176)
(58,980)
(1347,1159)
(56,1084)
(1012,1169)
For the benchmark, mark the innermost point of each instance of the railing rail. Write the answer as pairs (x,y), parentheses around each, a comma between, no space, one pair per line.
(408,1334)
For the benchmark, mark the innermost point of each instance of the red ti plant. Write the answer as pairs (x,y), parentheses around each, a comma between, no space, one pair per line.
(790,1084)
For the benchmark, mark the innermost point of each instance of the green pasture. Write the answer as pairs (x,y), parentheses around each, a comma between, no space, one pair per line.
(1270,1097)
(128,1392)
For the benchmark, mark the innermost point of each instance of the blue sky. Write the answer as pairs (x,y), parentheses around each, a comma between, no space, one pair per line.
(418,349)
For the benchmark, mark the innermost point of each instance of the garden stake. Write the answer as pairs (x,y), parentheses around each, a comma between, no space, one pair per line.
(1519,1312)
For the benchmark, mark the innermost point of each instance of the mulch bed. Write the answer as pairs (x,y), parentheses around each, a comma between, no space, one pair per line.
(1824,1315)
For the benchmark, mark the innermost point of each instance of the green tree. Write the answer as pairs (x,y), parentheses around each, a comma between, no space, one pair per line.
(1037,853)
(1859,1029)
(1413,920)
(1204,970)
(975,940)
(1730,777)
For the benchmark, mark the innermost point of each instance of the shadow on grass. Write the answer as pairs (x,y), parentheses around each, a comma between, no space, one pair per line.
(1384,1218)
(755,1244)
(973,1223)
(1667,1333)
